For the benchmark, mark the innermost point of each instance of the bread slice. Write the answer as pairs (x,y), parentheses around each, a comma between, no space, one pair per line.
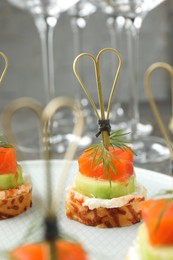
(107,216)
(15,201)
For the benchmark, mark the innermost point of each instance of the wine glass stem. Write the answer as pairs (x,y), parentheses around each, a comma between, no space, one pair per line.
(78,36)
(78,48)
(115,27)
(133,59)
(45,26)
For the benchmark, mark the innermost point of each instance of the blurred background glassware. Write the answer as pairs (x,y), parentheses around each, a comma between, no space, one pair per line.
(133,12)
(79,15)
(46,14)
(129,14)
(115,27)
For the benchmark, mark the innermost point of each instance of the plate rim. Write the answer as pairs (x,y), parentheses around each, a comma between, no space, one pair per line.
(136,168)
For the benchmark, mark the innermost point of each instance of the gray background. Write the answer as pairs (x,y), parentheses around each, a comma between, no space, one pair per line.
(20,41)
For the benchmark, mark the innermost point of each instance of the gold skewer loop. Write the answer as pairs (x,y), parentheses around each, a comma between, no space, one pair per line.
(80,80)
(116,75)
(9,112)
(48,113)
(147,77)
(5,67)
(96,61)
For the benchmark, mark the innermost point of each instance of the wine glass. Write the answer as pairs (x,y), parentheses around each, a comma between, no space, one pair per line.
(129,14)
(115,27)
(79,16)
(45,14)
(133,13)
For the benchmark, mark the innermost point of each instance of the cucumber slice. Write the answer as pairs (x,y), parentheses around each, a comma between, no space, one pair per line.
(101,188)
(148,252)
(11,180)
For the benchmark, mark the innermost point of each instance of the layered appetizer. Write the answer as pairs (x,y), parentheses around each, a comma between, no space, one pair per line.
(15,194)
(105,192)
(64,250)
(155,236)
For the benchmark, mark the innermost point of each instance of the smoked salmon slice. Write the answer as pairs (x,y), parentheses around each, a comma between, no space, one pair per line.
(66,250)
(121,158)
(158,216)
(8,163)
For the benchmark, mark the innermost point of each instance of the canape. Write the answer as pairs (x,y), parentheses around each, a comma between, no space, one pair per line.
(155,236)
(105,192)
(64,249)
(15,193)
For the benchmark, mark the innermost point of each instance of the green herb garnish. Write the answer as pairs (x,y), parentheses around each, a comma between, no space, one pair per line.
(105,156)
(4,144)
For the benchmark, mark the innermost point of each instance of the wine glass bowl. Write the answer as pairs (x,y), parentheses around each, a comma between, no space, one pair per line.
(45,14)
(148,149)
(133,12)
(79,15)
(44,7)
(83,8)
(128,8)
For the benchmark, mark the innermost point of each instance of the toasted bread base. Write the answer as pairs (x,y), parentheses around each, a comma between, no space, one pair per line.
(15,201)
(125,215)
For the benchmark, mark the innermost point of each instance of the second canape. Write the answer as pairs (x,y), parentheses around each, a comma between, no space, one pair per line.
(155,236)
(15,193)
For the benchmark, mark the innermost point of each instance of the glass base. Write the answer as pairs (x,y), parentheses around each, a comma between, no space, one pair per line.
(152,153)
(62,129)
(60,143)
(28,139)
(119,121)
(31,149)
(144,129)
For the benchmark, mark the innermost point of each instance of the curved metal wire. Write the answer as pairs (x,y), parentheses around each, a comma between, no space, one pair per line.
(48,113)
(150,70)
(96,61)
(5,67)
(13,108)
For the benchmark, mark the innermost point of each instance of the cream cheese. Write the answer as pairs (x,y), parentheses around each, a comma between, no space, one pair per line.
(93,203)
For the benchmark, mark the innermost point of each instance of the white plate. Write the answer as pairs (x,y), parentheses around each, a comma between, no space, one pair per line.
(106,244)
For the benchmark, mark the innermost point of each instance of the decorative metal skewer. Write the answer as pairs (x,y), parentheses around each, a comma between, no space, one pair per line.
(12,109)
(150,70)
(48,113)
(51,232)
(45,116)
(5,67)
(103,119)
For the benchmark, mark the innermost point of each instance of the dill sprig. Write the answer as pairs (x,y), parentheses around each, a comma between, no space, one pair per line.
(3,143)
(116,139)
(164,192)
(100,154)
